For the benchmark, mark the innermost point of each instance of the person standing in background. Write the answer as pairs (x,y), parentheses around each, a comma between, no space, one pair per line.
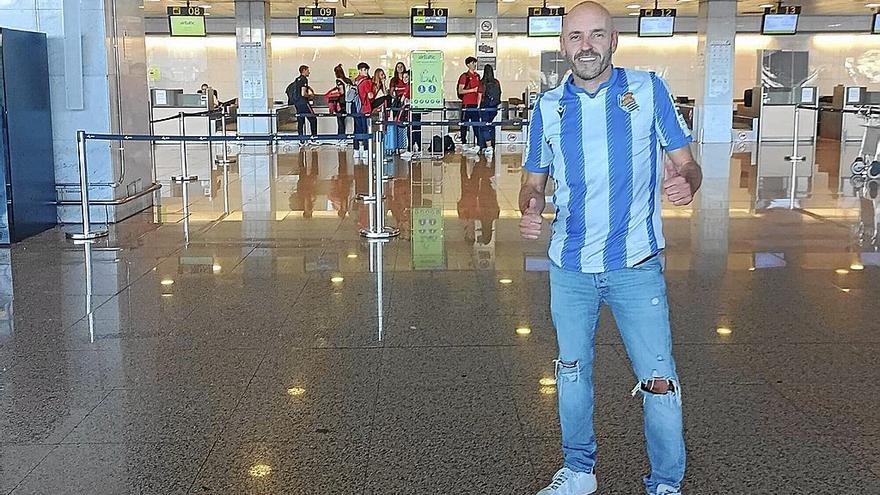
(469,91)
(488,110)
(380,92)
(363,107)
(336,103)
(298,94)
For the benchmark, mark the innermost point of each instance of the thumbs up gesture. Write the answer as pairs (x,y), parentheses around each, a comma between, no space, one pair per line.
(677,188)
(532,221)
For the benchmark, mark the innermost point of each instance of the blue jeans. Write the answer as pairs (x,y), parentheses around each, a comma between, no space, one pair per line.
(360,127)
(637,298)
(486,133)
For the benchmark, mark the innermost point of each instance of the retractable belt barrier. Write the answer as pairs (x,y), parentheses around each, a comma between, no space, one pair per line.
(375,146)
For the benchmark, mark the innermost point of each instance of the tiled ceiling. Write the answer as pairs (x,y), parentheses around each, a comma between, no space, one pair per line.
(514,8)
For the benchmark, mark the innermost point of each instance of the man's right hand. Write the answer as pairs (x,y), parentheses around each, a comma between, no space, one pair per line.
(532,221)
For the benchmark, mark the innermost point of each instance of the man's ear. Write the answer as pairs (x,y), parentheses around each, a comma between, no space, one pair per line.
(614,38)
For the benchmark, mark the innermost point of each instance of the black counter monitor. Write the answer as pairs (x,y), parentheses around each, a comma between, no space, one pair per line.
(186,21)
(317,21)
(656,23)
(429,22)
(781,20)
(545,21)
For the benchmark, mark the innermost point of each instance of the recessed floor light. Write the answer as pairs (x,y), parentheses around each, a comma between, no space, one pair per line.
(841,271)
(337,280)
(296,391)
(352,256)
(548,382)
(523,331)
(260,471)
(167,281)
(548,390)
(505,281)
(724,331)
(857,267)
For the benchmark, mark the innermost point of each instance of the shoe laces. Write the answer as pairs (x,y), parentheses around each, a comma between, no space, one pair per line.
(561,477)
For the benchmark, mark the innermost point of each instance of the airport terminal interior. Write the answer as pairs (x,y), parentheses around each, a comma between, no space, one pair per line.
(203,293)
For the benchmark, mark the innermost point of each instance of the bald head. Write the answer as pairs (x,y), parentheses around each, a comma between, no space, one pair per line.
(588,41)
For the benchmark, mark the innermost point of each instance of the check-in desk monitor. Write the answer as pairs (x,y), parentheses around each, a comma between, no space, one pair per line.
(170,102)
(776,119)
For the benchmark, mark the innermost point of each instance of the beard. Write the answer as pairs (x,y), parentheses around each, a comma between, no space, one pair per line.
(592,69)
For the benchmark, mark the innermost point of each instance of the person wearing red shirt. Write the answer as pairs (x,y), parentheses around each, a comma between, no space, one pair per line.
(469,90)
(365,94)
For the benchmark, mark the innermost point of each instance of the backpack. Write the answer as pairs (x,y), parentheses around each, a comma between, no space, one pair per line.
(353,98)
(492,95)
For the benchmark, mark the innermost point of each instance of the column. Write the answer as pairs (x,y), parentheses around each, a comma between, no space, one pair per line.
(713,118)
(711,213)
(97,83)
(486,12)
(254,65)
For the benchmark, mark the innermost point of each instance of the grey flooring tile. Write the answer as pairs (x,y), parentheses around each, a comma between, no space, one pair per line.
(303,464)
(494,462)
(34,414)
(842,409)
(412,366)
(158,415)
(16,461)
(615,412)
(113,468)
(438,409)
(786,462)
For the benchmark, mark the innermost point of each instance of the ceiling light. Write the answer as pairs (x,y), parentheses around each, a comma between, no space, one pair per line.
(857,267)
(372,32)
(505,281)
(205,6)
(332,1)
(523,331)
(348,14)
(841,271)
(872,5)
(337,280)
(633,13)
(167,281)
(724,331)
(845,290)
(751,269)
(766,5)
(547,382)
(260,471)
(216,268)
(508,1)
(633,6)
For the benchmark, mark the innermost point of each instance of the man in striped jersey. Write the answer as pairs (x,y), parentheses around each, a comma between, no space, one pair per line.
(601,135)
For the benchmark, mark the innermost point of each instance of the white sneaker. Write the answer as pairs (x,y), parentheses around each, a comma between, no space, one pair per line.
(415,148)
(407,156)
(473,150)
(489,152)
(666,490)
(568,482)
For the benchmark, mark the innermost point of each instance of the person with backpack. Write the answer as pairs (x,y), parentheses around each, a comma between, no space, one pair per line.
(298,94)
(469,91)
(361,99)
(488,110)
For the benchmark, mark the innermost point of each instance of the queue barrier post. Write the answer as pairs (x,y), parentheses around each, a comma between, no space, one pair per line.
(184,173)
(794,158)
(87,234)
(376,153)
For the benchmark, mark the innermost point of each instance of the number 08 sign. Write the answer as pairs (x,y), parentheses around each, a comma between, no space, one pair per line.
(427,80)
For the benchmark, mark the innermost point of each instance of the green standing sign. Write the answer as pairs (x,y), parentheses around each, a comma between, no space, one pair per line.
(427,80)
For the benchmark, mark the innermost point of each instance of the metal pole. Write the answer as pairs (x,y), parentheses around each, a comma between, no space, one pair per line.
(87,251)
(184,174)
(376,178)
(223,117)
(794,158)
(87,233)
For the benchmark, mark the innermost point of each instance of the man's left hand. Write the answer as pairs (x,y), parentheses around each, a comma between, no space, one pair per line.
(677,188)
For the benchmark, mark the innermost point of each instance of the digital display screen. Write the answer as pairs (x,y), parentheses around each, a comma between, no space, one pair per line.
(429,22)
(187,25)
(875,27)
(317,21)
(779,24)
(541,26)
(655,27)
(656,23)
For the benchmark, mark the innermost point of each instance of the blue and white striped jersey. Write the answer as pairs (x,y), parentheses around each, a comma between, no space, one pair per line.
(604,151)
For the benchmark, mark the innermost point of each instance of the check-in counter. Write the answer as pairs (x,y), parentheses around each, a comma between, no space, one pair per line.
(776,111)
(171,102)
(841,123)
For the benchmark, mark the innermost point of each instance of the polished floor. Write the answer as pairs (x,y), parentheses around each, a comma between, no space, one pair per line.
(247,341)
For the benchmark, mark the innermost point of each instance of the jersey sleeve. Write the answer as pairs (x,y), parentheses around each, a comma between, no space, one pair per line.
(539,155)
(668,122)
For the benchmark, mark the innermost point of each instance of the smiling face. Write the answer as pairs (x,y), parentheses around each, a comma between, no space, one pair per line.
(588,40)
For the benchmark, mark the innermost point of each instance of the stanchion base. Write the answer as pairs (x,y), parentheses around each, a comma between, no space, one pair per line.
(363,198)
(220,161)
(73,236)
(181,178)
(386,233)
(796,158)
